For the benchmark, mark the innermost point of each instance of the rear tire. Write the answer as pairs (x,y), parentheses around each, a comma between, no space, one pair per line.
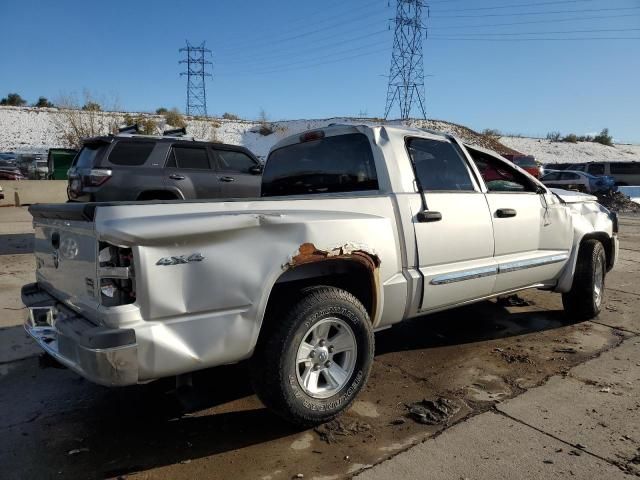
(584,300)
(309,366)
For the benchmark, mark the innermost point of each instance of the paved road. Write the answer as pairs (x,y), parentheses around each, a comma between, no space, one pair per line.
(508,368)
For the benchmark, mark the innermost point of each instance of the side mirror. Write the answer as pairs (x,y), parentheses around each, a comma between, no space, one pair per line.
(256,170)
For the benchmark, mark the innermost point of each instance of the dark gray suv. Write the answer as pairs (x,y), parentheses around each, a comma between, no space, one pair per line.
(137,167)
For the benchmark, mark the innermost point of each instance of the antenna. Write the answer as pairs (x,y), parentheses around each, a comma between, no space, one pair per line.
(196,74)
(406,75)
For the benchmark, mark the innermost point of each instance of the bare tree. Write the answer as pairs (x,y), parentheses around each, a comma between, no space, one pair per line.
(74,123)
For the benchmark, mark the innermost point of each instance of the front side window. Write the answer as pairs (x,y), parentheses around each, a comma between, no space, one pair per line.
(629,168)
(498,176)
(231,161)
(340,163)
(569,176)
(551,176)
(188,157)
(438,165)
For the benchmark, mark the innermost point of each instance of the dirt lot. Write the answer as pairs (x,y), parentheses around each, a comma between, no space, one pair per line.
(56,425)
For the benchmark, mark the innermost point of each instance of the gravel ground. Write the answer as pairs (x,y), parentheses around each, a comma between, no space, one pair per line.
(56,425)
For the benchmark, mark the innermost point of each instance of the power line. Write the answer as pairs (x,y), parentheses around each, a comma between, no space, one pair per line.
(300,50)
(270,43)
(529,39)
(546,33)
(531,22)
(377,51)
(330,55)
(520,5)
(518,14)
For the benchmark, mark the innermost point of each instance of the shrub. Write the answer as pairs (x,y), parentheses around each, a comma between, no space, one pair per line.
(492,133)
(554,136)
(173,118)
(43,102)
(161,111)
(604,138)
(13,100)
(585,138)
(265,127)
(571,138)
(230,116)
(92,107)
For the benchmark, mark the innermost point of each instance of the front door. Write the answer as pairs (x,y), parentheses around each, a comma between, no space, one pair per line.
(453,228)
(238,174)
(532,229)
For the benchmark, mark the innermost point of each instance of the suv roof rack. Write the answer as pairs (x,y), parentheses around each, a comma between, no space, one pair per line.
(175,132)
(129,129)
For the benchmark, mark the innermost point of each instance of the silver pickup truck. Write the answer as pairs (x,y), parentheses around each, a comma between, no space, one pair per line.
(357,228)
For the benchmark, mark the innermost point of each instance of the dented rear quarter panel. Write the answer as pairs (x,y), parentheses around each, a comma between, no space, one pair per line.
(201,314)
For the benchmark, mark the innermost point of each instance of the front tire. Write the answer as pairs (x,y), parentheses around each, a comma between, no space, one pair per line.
(309,366)
(584,300)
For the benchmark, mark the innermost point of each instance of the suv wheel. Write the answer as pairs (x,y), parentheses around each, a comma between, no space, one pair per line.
(584,300)
(309,367)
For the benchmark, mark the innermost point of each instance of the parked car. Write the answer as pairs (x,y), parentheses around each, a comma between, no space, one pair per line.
(580,181)
(11,174)
(624,173)
(357,229)
(138,167)
(527,163)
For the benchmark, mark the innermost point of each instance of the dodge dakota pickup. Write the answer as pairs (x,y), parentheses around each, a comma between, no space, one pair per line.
(357,228)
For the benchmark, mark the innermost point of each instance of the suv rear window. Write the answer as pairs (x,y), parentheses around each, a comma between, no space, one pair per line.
(87,156)
(341,163)
(130,153)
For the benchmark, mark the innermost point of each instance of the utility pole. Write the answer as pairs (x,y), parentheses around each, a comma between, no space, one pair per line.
(406,75)
(196,73)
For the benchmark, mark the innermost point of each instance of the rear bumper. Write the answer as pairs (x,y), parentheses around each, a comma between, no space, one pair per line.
(103,355)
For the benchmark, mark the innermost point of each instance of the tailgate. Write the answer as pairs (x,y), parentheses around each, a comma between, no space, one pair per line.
(66,249)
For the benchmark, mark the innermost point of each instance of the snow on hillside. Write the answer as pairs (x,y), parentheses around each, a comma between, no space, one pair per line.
(546,151)
(25,129)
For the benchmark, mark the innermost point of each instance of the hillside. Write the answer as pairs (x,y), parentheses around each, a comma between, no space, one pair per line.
(38,129)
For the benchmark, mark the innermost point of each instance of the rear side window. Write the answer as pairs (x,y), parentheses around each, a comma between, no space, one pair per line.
(130,153)
(551,176)
(596,169)
(87,156)
(438,165)
(188,157)
(342,163)
(230,161)
(629,168)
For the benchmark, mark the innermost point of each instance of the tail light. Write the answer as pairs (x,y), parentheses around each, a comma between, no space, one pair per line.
(116,275)
(95,177)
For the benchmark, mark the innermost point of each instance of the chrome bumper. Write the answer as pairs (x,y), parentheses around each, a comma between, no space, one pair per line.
(103,355)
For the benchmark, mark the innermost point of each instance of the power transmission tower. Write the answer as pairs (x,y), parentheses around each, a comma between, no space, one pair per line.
(196,73)
(406,75)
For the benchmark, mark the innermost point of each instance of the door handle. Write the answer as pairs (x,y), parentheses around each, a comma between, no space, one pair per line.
(427,216)
(176,177)
(226,179)
(505,212)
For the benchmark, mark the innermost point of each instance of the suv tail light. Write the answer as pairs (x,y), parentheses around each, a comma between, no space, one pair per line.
(95,177)
(116,275)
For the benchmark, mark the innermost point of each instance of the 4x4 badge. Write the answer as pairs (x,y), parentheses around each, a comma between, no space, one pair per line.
(181,259)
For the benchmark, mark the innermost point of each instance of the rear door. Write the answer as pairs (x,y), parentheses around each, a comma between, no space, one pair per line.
(189,171)
(454,234)
(238,173)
